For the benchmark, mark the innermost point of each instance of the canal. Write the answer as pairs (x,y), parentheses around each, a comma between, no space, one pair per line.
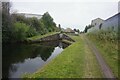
(18,59)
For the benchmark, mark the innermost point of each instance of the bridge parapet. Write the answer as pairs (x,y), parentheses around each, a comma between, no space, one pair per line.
(58,36)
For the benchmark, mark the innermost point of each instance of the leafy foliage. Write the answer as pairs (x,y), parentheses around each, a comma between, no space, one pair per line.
(48,21)
(31,32)
(106,36)
(20,31)
(88,27)
(6,24)
(16,27)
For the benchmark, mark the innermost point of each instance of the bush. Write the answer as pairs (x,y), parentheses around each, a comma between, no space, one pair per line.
(106,36)
(31,32)
(20,28)
(20,31)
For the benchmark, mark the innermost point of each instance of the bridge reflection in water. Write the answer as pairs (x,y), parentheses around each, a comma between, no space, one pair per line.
(19,59)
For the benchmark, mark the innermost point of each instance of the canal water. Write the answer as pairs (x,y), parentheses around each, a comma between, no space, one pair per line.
(19,59)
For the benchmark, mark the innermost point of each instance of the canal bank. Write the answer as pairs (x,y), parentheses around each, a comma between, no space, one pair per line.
(19,59)
(76,61)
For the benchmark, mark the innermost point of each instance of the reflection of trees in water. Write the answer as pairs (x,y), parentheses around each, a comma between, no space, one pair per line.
(55,44)
(13,67)
(18,53)
(44,52)
(63,44)
(14,54)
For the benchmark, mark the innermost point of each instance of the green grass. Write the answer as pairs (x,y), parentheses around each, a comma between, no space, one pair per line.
(76,61)
(41,36)
(91,69)
(108,48)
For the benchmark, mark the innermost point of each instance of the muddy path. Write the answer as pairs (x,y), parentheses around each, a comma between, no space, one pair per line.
(107,72)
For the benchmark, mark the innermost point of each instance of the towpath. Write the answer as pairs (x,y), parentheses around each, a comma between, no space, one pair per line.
(107,72)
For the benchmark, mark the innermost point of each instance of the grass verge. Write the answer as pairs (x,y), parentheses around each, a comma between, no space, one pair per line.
(108,48)
(92,68)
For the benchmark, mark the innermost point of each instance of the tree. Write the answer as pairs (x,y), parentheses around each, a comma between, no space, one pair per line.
(35,23)
(6,22)
(31,32)
(75,30)
(59,26)
(78,31)
(20,18)
(20,31)
(86,29)
(17,27)
(48,22)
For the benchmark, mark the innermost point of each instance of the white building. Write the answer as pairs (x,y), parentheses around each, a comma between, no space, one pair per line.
(96,23)
(28,15)
(112,23)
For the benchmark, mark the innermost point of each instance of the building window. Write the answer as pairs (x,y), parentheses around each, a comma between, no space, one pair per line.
(100,26)
(112,27)
(95,23)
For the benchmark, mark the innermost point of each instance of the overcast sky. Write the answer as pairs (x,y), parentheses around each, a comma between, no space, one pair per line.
(73,14)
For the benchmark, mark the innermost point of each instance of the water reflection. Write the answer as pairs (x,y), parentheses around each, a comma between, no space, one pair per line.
(20,59)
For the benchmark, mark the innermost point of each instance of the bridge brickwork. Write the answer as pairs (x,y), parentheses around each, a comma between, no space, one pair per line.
(58,36)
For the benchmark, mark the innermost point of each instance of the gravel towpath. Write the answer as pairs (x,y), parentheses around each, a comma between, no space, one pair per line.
(107,72)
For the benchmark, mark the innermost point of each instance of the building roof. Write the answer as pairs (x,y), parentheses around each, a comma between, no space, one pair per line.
(113,16)
(29,15)
(97,19)
(69,30)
